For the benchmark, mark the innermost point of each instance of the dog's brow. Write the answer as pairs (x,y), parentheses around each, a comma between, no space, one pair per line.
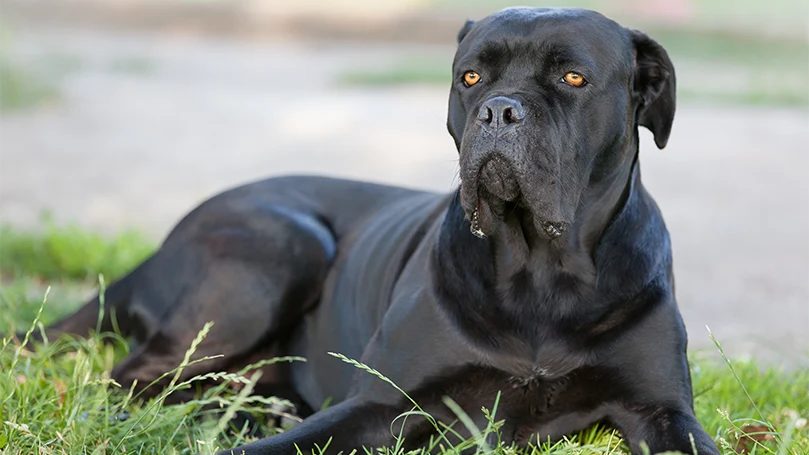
(559,54)
(493,53)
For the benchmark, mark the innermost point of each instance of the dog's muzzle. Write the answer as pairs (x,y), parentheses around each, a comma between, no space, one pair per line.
(497,177)
(498,174)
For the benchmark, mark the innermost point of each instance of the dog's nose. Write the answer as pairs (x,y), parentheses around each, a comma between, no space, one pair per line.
(501,111)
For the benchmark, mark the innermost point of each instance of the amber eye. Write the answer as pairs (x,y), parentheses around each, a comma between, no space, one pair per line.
(574,79)
(471,78)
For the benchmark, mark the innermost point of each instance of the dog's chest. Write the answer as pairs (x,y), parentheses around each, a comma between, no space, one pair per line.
(523,400)
(535,349)
(547,361)
(536,305)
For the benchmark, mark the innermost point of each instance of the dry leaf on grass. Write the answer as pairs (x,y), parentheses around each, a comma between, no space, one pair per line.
(751,434)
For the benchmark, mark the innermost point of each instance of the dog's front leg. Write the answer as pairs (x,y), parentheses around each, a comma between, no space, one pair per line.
(663,429)
(349,425)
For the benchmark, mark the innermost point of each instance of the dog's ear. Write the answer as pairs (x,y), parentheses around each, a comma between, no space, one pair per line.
(465,29)
(655,87)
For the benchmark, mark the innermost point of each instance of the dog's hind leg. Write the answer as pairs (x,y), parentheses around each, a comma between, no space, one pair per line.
(253,276)
(93,316)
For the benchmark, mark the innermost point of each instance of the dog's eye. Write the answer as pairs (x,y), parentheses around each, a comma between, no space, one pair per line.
(470,78)
(574,79)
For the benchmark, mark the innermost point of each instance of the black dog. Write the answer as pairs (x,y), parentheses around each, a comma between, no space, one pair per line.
(561,297)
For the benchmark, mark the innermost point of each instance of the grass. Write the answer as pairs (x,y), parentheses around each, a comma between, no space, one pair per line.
(60,399)
(70,252)
(712,66)
(29,83)
(411,71)
(21,88)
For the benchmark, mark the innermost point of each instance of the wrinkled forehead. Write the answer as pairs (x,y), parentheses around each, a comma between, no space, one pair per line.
(566,33)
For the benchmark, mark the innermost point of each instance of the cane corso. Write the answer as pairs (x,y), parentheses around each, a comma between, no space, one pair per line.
(545,278)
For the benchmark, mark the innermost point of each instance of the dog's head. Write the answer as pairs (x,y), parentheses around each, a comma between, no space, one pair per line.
(546,102)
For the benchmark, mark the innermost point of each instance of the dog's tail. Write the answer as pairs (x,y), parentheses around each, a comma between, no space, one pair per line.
(94,316)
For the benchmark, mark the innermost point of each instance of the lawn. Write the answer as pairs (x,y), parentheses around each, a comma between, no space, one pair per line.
(21,88)
(60,399)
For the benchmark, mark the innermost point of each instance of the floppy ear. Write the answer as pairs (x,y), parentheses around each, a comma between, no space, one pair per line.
(655,87)
(465,29)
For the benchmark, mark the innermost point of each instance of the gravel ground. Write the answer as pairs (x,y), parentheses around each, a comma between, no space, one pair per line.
(146,128)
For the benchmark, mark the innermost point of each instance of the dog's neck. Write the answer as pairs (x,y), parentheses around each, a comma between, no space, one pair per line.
(599,204)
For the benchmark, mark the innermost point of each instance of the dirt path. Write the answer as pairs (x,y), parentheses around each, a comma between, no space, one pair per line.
(148,128)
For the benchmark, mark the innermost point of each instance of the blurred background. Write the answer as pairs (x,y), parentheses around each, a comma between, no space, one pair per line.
(124,114)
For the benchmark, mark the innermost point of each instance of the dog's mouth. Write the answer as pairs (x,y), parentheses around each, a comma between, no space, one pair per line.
(474,225)
(488,211)
(496,195)
(552,230)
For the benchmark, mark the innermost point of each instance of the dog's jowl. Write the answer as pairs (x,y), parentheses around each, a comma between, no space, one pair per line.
(545,278)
